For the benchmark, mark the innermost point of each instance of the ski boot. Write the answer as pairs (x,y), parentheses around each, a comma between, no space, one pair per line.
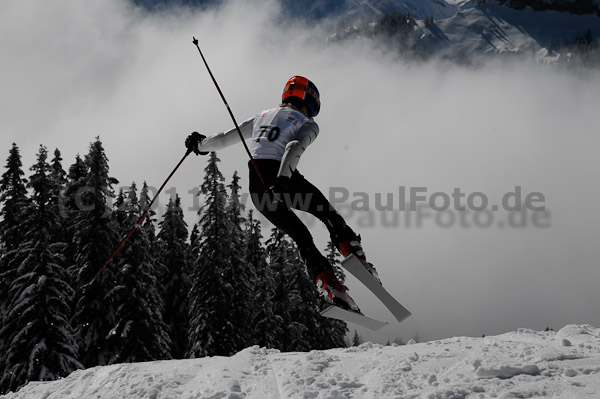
(353,247)
(335,292)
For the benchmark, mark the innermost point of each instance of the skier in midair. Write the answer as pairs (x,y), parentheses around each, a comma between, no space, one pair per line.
(279,137)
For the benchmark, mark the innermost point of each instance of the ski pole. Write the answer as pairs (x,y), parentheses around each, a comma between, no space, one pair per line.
(141,219)
(252,161)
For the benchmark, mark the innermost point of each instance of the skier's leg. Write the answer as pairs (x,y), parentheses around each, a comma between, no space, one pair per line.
(288,222)
(308,198)
(317,265)
(285,219)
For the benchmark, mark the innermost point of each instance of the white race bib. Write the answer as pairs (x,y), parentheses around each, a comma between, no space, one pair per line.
(273,130)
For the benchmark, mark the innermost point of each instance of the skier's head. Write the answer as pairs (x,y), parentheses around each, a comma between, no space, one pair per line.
(301,92)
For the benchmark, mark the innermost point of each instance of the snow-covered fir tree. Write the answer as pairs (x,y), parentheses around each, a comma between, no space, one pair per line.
(193,247)
(58,177)
(280,251)
(297,300)
(15,206)
(139,332)
(94,240)
(69,209)
(149,227)
(215,327)
(40,344)
(13,196)
(74,186)
(120,212)
(149,221)
(241,275)
(57,171)
(175,285)
(267,326)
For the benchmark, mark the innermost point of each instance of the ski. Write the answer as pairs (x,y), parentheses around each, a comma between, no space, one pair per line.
(360,319)
(356,268)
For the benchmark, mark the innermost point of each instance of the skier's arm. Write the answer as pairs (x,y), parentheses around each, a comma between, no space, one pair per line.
(293,151)
(225,139)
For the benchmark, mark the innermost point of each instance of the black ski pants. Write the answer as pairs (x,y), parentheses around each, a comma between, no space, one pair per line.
(303,196)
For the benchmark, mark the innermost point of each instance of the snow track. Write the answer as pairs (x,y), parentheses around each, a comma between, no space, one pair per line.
(521,364)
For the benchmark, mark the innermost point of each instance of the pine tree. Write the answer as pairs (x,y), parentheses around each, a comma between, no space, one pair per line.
(41,345)
(73,189)
(139,332)
(94,241)
(57,171)
(69,204)
(176,283)
(13,196)
(296,301)
(15,207)
(356,339)
(58,178)
(214,323)
(267,325)
(45,187)
(194,247)
(149,227)
(305,305)
(241,275)
(278,250)
(149,223)
(119,214)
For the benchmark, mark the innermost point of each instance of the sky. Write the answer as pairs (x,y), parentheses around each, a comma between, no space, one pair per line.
(71,71)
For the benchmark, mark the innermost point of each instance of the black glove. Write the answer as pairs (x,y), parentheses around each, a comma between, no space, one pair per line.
(192,141)
(281,187)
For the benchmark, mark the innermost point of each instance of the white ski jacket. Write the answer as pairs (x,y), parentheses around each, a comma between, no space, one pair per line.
(281,133)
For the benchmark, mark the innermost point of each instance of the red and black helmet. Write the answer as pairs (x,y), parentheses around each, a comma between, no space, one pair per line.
(300,91)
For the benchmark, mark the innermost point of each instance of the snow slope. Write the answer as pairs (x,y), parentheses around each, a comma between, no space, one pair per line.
(521,364)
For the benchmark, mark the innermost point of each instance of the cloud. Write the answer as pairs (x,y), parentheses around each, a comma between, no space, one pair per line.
(74,70)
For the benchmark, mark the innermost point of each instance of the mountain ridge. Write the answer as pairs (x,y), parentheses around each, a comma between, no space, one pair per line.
(549,31)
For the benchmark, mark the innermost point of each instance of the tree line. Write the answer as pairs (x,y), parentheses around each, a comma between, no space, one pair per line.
(168,294)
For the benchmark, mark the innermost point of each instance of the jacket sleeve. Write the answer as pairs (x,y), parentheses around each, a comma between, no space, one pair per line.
(225,139)
(307,133)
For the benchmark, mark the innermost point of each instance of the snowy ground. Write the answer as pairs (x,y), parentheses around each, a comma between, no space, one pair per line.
(522,364)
